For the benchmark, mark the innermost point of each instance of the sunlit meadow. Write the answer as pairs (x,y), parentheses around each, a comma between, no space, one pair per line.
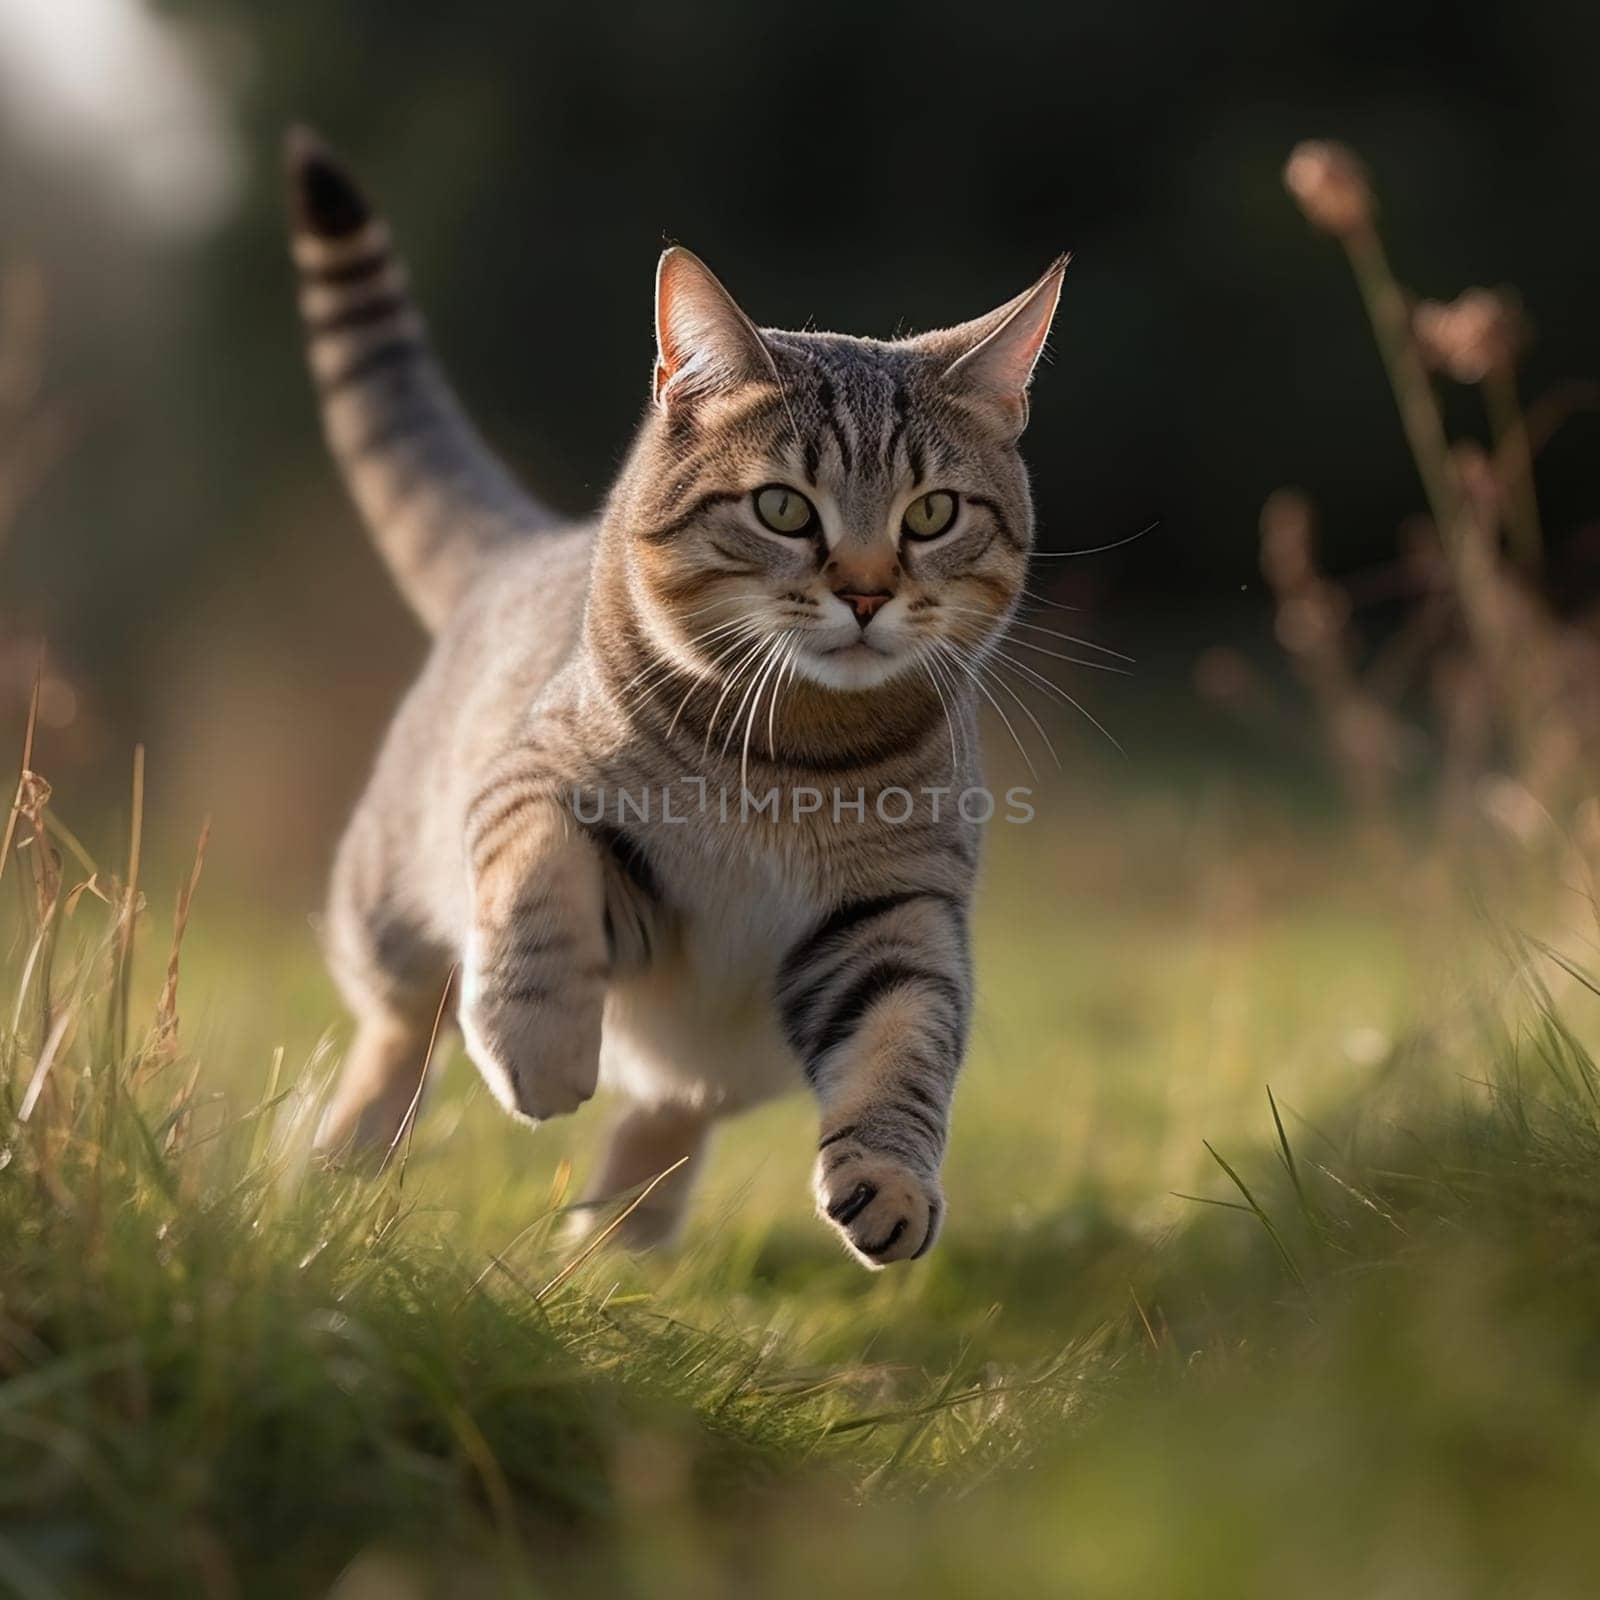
(1275,1183)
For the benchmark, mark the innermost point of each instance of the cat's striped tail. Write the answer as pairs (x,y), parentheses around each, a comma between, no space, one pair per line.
(438,503)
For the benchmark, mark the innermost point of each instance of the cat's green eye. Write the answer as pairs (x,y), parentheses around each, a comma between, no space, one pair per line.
(784,511)
(930,514)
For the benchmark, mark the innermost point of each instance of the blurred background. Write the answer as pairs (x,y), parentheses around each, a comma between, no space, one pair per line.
(1330,435)
(176,535)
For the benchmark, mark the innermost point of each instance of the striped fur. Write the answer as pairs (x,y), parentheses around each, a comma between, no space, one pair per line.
(645,794)
(436,500)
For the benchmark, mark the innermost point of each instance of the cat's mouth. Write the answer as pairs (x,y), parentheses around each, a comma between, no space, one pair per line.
(855,665)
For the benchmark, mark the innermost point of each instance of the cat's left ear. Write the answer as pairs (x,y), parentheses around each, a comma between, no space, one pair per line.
(994,356)
(704,342)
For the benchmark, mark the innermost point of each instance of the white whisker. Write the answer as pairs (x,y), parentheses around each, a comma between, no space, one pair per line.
(1054,633)
(664,668)
(1095,550)
(735,676)
(1074,661)
(1050,686)
(785,673)
(944,706)
(983,689)
(1043,682)
(758,673)
(1045,600)
(1027,711)
(774,664)
(701,683)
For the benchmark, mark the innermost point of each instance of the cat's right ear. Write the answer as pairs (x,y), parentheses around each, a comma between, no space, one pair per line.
(704,342)
(996,354)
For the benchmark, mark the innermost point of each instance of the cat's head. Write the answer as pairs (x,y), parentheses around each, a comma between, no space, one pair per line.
(849,510)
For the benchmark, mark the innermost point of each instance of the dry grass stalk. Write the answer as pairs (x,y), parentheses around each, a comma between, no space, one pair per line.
(1313,627)
(1330,183)
(1477,339)
(180,1109)
(1511,682)
(128,914)
(592,1246)
(403,1136)
(25,774)
(164,1044)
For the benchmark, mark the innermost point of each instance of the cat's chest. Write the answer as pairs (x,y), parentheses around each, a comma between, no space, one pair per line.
(734,907)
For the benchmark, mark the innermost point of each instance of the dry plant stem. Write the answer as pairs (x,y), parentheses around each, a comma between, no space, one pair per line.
(559,1185)
(1468,544)
(182,1104)
(1313,628)
(41,1070)
(130,904)
(409,1122)
(32,802)
(263,1130)
(27,763)
(166,1033)
(610,1228)
(1514,463)
(1419,410)
(1150,1333)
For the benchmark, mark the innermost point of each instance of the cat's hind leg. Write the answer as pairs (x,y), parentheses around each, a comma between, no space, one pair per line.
(645,1141)
(380,1078)
(393,978)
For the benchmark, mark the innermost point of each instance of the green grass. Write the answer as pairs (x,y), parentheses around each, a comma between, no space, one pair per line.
(1366,1360)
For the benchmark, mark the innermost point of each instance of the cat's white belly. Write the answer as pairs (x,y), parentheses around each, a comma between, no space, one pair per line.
(699,1023)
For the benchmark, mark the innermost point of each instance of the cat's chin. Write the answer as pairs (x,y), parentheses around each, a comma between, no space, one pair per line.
(854,668)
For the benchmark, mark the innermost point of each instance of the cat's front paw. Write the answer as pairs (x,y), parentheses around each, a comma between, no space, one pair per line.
(885,1210)
(540,1057)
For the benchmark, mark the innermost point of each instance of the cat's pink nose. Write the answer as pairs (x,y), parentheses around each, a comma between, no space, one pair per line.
(865,606)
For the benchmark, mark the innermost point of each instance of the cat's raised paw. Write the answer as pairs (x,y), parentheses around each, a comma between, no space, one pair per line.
(539,1060)
(885,1210)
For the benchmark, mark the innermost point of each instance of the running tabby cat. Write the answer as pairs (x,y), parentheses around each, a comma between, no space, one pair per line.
(812,538)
